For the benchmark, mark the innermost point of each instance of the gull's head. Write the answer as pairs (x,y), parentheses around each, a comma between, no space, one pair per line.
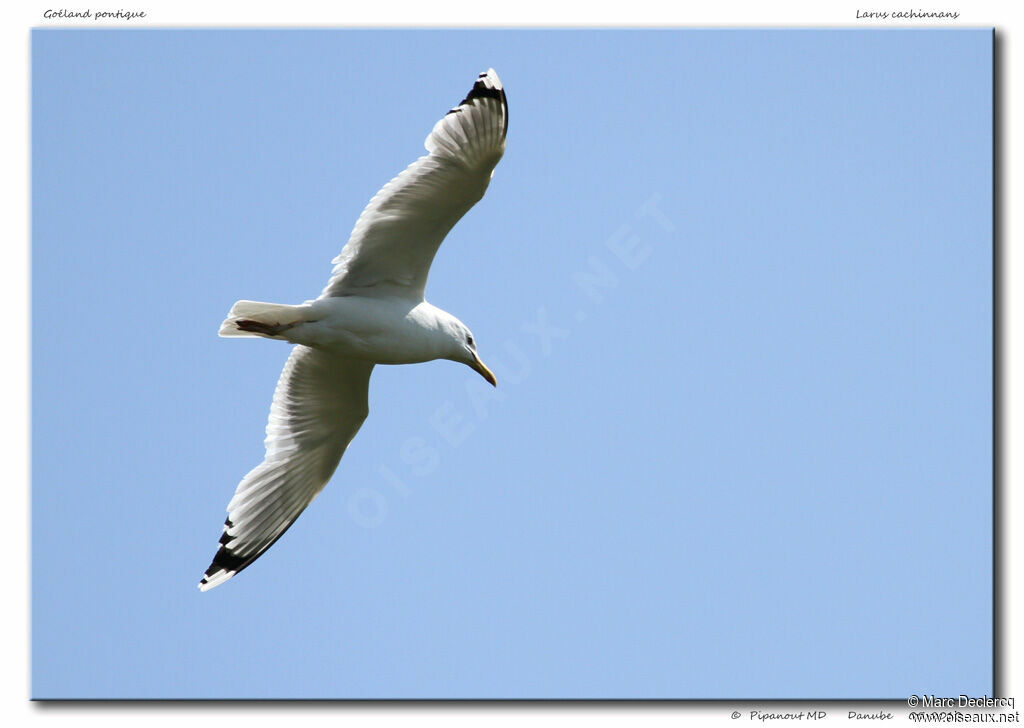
(464,346)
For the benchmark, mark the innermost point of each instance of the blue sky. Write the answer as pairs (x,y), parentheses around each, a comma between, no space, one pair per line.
(736,287)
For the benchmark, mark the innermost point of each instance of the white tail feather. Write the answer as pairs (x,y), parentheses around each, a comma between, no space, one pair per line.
(272,314)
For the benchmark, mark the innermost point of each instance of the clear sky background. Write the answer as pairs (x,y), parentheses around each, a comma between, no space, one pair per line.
(736,287)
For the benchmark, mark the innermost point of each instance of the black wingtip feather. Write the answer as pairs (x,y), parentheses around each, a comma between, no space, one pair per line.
(227,560)
(481,90)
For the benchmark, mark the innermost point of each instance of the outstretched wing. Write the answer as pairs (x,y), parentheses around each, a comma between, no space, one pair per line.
(395,239)
(319,404)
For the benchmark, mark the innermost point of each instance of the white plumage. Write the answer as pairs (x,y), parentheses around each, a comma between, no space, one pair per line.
(372,311)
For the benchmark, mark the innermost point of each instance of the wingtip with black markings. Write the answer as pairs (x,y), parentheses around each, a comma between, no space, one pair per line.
(487,86)
(225,563)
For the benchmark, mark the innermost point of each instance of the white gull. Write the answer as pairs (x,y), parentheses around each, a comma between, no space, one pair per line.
(371,312)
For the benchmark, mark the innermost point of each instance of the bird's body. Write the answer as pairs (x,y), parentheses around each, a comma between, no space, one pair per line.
(371,312)
(386,330)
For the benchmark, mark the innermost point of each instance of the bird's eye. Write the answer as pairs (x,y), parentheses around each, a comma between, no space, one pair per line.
(469,339)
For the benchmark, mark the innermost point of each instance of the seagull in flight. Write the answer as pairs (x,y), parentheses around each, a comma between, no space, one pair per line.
(371,312)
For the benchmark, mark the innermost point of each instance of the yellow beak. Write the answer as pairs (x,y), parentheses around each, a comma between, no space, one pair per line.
(483,370)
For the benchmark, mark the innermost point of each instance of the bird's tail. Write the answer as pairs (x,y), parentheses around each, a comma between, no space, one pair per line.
(253,318)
